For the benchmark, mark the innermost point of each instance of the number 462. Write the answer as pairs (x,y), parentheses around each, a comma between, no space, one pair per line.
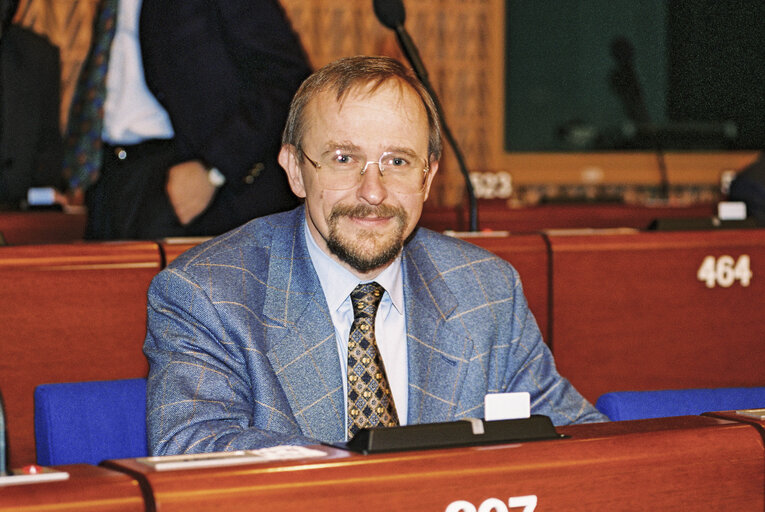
(724,271)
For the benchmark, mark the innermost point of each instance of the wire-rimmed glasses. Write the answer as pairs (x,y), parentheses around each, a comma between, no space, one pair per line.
(342,170)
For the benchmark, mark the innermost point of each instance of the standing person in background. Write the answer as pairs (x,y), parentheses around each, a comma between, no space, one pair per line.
(30,101)
(140,175)
(225,71)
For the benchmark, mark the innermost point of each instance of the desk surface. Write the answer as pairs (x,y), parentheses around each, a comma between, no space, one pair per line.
(495,214)
(667,464)
(87,488)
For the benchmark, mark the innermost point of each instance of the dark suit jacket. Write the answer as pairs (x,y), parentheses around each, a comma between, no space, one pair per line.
(749,187)
(226,72)
(30,99)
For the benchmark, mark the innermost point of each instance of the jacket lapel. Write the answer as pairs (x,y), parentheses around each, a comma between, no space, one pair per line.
(438,350)
(301,339)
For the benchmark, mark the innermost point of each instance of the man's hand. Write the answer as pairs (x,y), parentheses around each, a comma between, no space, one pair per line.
(189,190)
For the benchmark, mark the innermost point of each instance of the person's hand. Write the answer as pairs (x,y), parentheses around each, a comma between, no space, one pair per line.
(62,199)
(74,197)
(189,190)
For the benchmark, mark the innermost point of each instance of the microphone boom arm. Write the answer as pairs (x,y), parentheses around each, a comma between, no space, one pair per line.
(413,56)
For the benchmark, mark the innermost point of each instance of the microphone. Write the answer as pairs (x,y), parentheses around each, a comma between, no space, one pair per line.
(391,14)
(625,82)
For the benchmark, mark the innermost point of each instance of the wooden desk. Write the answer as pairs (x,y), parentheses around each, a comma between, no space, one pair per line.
(732,416)
(668,464)
(41,227)
(69,313)
(171,248)
(630,311)
(496,215)
(89,488)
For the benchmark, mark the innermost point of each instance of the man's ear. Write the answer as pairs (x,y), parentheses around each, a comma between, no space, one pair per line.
(429,178)
(288,159)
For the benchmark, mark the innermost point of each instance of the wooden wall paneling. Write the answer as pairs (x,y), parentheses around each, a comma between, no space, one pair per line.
(41,227)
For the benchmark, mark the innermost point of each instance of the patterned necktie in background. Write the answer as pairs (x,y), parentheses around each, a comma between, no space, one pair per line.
(82,159)
(370,402)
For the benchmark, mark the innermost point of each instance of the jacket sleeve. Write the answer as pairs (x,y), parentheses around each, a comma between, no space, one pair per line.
(201,395)
(530,367)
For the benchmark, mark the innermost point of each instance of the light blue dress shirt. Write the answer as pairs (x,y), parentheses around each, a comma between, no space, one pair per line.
(390,323)
(131,112)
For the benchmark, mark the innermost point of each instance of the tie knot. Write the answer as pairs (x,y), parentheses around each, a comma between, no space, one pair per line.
(365,298)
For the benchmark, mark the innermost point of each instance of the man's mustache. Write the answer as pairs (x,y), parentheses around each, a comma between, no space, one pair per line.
(365,210)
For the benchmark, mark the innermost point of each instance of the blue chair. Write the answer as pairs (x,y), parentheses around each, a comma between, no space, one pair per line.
(88,422)
(635,405)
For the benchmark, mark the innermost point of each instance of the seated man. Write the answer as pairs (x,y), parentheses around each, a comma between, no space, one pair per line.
(749,186)
(269,334)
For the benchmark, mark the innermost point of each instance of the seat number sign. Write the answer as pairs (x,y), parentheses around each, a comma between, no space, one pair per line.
(522,503)
(724,271)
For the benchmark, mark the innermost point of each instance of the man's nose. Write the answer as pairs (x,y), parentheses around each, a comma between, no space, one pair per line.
(372,189)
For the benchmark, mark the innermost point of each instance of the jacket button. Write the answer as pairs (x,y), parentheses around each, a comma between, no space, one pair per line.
(254,173)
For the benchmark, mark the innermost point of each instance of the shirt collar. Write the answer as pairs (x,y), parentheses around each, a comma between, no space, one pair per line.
(338,283)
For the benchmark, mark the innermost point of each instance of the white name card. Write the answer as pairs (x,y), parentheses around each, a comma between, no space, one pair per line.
(506,406)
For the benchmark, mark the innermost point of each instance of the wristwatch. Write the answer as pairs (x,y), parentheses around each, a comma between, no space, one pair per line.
(217,179)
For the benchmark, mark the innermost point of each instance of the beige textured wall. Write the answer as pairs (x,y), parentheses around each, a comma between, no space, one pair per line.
(461,44)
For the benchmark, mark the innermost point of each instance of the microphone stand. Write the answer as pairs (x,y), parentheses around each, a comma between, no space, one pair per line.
(625,82)
(412,55)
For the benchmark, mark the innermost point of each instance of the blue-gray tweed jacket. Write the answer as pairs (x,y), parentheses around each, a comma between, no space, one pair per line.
(242,350)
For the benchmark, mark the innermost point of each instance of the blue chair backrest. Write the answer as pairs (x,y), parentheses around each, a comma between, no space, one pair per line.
(88,422)
(635,405)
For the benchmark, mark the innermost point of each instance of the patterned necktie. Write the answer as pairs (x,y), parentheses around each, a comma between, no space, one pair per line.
(82,160)
(370,402)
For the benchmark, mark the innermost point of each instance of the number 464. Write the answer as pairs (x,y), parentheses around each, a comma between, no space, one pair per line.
(724,271)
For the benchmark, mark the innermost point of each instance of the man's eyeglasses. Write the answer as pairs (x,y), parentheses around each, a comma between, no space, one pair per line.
(343,170)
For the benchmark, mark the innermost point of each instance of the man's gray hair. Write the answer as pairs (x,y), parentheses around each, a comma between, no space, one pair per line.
(343,75)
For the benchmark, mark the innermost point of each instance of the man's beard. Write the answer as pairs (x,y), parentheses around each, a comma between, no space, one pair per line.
(366,250)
